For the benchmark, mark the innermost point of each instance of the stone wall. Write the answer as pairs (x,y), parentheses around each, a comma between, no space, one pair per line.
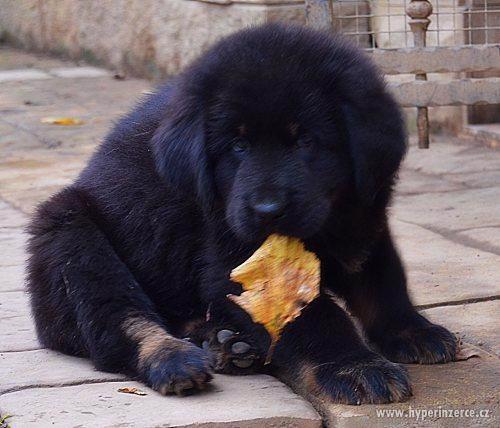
(150,38)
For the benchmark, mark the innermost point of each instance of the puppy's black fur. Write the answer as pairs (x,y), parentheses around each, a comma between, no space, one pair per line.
(276,129)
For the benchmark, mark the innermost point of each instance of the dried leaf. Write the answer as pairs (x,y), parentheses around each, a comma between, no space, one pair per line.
(466,351)
(67,121)
(278,280)
(3,421)
(131,390)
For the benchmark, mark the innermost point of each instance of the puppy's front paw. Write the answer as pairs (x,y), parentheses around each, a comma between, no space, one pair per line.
(178,367)
(424,343)
(233,353)
(367,379)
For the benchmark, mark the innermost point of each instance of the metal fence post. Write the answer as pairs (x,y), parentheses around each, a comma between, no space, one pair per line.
(419,11)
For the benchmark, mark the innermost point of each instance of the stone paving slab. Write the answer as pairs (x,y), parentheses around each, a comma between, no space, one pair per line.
(487,133)
(414,183)
(14,75)
(475,323)
(249,401)
(78,72)
(447,159)
(441,271)
(485,235)
(10,217)
(451,211)
(45,368)
(16,59)
(489,178)
(17,331)
(14,241)
(30,178)
(114,96)
(12,277)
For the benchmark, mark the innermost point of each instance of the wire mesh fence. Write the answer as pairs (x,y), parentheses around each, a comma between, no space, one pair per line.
(384,24)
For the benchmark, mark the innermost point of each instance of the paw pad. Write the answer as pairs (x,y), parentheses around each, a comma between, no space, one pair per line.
(231,351)
(224,335)
(240,348)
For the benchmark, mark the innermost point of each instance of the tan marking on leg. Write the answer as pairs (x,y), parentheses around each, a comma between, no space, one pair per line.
(307,376)
(302,379)
(398,391)
(150,338)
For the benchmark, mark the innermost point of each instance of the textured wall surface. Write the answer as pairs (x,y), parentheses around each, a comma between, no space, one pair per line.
(153,38)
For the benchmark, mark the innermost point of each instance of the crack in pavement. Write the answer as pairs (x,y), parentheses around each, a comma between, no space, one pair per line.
(417,193)
(457,302)
(10,351)
(443,175)
(487,226)
(61,385)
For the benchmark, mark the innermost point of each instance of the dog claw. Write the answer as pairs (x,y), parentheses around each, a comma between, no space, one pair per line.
(224,335)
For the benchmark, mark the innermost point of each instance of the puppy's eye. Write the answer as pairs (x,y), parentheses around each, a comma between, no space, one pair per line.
(240,146)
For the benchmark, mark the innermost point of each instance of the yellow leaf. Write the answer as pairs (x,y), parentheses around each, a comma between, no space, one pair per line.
(278,280)
(131,390)
(62,121)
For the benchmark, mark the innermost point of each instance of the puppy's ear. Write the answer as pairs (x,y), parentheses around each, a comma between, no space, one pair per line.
(179,151)
(377,143)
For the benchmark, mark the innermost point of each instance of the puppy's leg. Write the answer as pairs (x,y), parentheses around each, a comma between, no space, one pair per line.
(379,298)
(86,302)
(321,355)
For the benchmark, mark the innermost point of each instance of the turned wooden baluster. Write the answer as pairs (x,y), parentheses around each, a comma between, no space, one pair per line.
(419,11)
(319,14)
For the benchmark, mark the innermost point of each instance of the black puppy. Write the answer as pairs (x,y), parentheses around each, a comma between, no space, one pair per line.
(276,129)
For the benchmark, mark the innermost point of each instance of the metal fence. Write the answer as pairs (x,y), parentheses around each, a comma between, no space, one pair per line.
(420,37)
(379,24)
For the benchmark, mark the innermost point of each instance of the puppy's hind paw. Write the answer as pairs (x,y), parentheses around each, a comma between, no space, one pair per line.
(365,380)
(425,344)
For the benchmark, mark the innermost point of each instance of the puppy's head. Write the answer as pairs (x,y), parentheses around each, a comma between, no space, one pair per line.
(276,123)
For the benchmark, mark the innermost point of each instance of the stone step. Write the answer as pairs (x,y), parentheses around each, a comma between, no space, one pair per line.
(248,402)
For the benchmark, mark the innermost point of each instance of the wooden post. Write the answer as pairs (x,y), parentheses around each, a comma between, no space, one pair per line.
(319,14)
(419,12)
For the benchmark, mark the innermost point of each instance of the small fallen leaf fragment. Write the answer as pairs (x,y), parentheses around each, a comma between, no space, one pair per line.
(4,422)
(67,121)
(466,351)
(278,280)
(131,390)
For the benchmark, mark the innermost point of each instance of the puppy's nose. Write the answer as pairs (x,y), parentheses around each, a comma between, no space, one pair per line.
(269,209)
